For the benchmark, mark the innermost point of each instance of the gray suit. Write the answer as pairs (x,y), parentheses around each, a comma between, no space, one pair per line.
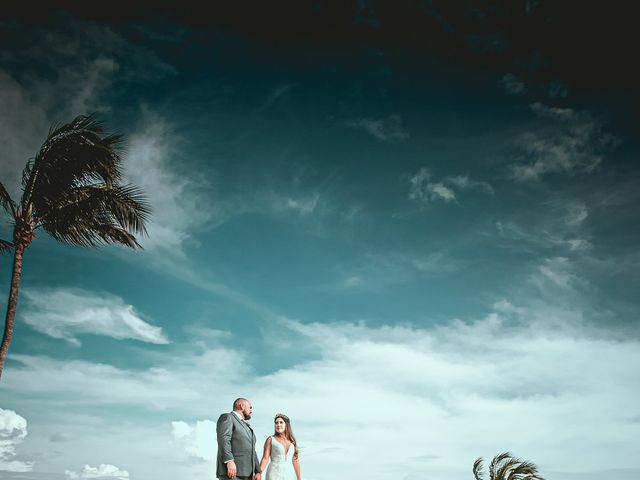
(237,442)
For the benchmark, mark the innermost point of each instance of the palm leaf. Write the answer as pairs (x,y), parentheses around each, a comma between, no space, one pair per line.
(73,154)
(477,469)
(124,205)
(507,467)
(89,231)
(504,469)
(72,188)
(525,471)
(95,214)
(6,201)
(5,246)
(93,235)
(495,465)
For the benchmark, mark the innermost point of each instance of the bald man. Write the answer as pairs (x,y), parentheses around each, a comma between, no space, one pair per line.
(237,456)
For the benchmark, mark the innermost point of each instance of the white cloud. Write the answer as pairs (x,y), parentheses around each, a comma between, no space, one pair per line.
(463,182)
(387,130)
(439,190)
(64,313)
(198,440)
(13,431)
(424,188)
(569,142)
(191,375)
(512,85)
(178,200)
(433,397)
(104,470)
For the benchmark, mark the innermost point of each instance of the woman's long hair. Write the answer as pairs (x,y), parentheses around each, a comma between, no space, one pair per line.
(288,433)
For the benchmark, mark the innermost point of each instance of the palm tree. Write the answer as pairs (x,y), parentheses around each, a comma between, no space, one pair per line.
(72,190)
(507,467)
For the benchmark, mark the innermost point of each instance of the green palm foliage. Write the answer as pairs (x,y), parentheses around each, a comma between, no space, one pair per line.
(72,190)
(507,467)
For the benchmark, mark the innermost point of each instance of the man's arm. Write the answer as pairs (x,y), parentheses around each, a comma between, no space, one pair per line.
(224,429)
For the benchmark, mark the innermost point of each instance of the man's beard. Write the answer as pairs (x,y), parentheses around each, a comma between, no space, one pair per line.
(246,417)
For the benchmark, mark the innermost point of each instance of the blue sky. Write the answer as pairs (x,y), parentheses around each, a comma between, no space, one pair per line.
(419,242)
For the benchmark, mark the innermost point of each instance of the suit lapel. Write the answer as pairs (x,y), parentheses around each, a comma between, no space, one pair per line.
(246,428)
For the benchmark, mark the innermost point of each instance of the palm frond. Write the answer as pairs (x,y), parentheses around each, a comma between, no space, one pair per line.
(5,246)
(129,207)
(495,464)
(73,154)
(6,201)
(91,232)
(477,469)
(507,467)
(26,173)
(95,214)
(525,471)
(102,234)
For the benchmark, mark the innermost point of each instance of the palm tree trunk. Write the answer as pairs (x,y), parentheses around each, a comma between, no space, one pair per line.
(12,304)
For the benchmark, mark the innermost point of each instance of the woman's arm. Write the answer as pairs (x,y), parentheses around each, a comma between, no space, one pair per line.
(296,466)
(265,455)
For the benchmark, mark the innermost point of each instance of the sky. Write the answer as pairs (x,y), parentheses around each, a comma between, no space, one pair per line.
(410,226)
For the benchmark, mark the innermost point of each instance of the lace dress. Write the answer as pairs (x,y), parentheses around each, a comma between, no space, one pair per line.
(280,466)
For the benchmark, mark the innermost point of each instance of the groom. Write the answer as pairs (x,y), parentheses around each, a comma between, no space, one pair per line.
(237,456)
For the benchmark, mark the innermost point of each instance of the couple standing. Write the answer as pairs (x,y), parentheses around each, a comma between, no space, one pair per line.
(237,456)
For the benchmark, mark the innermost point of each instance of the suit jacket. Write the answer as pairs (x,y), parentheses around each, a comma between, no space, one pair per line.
(237,442)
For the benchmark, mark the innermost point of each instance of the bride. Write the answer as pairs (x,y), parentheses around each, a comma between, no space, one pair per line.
(277,448)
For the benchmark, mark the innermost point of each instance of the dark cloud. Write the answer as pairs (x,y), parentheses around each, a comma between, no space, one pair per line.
(582,45)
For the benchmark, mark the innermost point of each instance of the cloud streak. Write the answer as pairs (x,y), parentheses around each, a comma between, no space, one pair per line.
(65,313)
(563,225)
(566,141)
(177,199)
(390,129)
(424,188)
(512,85)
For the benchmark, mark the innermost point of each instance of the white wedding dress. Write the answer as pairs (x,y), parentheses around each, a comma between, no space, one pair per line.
(280,466)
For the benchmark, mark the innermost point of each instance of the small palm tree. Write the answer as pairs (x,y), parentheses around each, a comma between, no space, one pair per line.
(72,190)
(507,467)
